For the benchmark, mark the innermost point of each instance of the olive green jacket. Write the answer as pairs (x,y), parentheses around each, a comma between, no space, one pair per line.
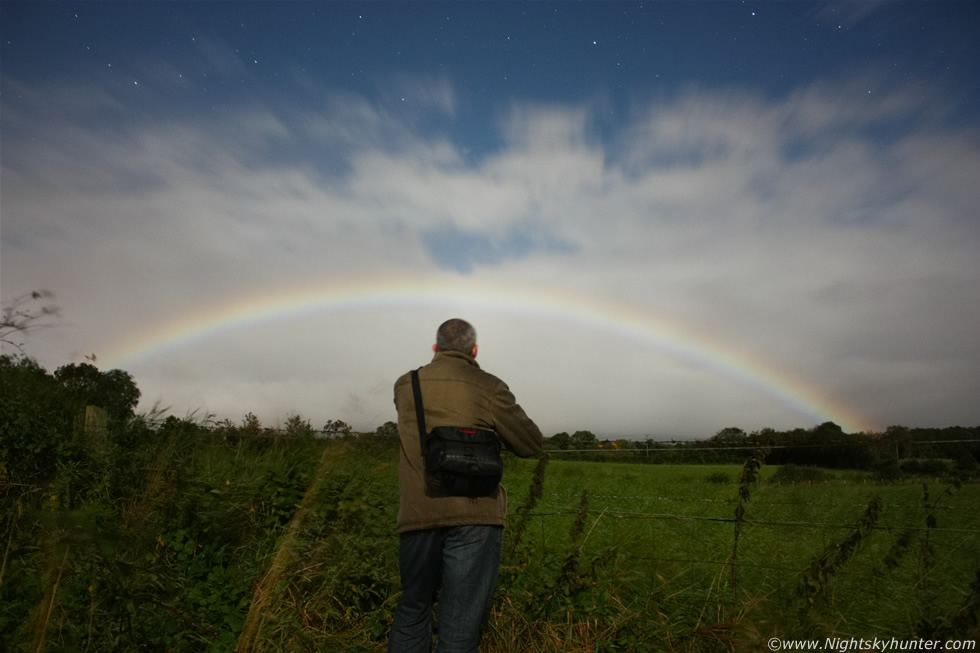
(456,392)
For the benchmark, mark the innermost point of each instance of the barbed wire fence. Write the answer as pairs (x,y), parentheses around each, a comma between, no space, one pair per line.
(564,504)
(675,542)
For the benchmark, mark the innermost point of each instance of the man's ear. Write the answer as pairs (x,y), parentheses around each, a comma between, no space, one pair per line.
(473,353)
(435,349)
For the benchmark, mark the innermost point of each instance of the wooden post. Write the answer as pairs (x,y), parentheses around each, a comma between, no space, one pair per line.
(96,429)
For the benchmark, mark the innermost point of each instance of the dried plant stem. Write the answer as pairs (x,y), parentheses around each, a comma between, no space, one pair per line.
(54,593)
(6,554)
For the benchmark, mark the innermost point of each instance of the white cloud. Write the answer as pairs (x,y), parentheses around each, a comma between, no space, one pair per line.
(788,231)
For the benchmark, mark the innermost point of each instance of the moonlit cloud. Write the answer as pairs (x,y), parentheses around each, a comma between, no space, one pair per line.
(825,235)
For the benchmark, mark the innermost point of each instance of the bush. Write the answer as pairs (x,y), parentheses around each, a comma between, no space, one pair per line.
(966,464)
(35,427)
(926,467)
(886,470)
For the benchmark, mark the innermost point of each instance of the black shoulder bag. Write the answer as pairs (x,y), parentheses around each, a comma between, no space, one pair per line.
(459,461)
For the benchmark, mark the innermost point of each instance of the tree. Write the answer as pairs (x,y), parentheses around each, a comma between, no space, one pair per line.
(173,425)
(583,440)
(251,426)
(388,431)
(335,428)
(900,439)
(18,317)
(729,435)
(297,427)
(86,385)
(34,422)
(561,440)
(828,431)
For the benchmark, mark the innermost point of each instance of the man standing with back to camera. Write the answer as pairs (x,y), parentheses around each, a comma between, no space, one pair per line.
(451,543)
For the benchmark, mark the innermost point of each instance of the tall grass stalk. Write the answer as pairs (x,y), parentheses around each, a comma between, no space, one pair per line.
(6,552)
(262,598)
(43,629)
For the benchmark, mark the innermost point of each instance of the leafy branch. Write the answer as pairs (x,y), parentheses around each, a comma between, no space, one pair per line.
(23,314)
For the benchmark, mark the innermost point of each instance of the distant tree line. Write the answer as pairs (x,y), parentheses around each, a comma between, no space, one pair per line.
(74,418)
(896,451)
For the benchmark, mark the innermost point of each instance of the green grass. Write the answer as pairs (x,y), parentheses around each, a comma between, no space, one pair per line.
(671,528)
(283,545)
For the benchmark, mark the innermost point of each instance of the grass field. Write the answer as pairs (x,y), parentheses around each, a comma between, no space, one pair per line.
(665,534)
(291,546)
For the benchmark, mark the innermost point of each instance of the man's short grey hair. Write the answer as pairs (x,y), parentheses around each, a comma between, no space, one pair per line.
(456,335)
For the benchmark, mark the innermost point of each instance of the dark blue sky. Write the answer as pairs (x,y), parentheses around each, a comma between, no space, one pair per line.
(187,58)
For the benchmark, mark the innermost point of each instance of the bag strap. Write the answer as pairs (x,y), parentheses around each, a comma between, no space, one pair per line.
(419,413)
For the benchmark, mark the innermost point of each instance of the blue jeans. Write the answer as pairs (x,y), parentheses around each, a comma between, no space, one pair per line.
(461,563)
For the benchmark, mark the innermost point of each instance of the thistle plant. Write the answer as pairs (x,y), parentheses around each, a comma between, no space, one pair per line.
(750,473)
(822,570)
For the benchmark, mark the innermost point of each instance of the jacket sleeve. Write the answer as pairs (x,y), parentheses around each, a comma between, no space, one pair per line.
(519,433)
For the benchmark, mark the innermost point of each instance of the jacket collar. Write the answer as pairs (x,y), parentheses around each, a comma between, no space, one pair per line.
(444,355)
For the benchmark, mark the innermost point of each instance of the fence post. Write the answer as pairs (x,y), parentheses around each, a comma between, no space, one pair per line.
(94,427)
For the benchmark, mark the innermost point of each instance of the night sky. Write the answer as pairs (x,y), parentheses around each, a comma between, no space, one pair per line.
(663,218)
